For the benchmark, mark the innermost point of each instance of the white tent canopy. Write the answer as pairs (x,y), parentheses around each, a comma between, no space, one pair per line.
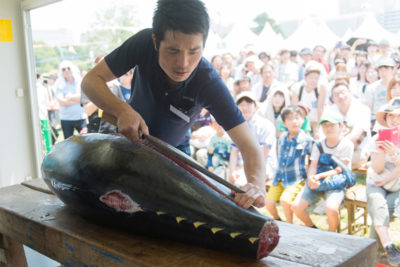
(268,40)
(371,29)
(311,33)
(239,37)
(214,44)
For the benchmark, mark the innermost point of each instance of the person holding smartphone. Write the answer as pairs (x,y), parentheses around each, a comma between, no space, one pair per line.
(383,188)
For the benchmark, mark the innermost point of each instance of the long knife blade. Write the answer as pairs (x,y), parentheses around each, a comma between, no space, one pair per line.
(179,155)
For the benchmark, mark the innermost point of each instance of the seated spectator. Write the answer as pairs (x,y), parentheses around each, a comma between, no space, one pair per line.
(272,108)
(293,148)
(265,135)
(356,117)
(382,195)
(218,150)
(226,75)
(367,74)
(268,84)
(334,144)
(244,84)
(311,94)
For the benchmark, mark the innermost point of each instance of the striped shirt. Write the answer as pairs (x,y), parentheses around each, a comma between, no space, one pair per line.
(292,158)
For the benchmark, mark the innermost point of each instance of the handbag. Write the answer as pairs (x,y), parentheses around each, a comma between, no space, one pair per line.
(328,162)
(392,186)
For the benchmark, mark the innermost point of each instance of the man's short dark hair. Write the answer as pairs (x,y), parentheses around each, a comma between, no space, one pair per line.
(186,16)
(290,110)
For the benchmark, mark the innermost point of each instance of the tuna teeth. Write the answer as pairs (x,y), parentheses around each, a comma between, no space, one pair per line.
(253,239)
(179,219)
(197,224)
(233,235)
(216,229)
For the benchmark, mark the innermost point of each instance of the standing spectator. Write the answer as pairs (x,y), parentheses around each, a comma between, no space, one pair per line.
(372,55)
(309,93)
(393,87)
(333,144)
(385,160)
(384,49)
(306,56)
(264,132)
(252,66)
(318,55)
(123,91)
(68,93)
(91,109)
(293,148)
(376,92)
(264,57)
(293,56)
(356,117)
(287,71)
(268,84)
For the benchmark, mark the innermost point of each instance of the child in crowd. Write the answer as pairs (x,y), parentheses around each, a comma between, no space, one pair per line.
(218,150)
(333,144)
(263,130)
(293,148)
(306,127)
(271,109)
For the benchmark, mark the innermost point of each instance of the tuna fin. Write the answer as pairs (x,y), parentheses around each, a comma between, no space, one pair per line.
(215,229)
(233,235)
(197,224)
(253,239)
(160,213)
(179,219)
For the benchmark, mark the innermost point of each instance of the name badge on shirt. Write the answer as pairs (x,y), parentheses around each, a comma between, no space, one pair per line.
(179,113)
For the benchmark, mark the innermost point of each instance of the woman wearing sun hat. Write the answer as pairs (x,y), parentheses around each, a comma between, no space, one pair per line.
(385,162)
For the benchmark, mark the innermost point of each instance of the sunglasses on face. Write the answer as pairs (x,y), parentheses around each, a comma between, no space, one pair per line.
(67,68)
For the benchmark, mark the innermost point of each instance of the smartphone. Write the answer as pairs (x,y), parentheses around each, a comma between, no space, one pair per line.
(391,135)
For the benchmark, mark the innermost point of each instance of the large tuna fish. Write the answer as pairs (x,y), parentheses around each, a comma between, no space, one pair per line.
(134,186)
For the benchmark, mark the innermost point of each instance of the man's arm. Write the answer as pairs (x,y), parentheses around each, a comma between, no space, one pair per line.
(129,122)
(254,167)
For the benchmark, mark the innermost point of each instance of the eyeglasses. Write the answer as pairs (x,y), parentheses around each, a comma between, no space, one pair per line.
(337,94)
(64,69)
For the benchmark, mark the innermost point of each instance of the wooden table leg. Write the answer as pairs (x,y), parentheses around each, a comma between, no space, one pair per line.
(12,253)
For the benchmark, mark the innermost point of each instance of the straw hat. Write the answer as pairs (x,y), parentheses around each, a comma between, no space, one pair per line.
(392,107)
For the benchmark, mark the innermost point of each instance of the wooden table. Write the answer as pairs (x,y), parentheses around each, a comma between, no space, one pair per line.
(38,219)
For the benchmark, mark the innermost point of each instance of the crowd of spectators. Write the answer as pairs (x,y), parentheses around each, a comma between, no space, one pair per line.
(300,105)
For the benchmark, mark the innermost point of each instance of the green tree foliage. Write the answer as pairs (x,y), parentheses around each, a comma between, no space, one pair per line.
(261,20)
(110,28)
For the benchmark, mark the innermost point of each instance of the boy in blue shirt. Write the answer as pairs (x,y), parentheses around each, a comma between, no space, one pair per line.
(293,148)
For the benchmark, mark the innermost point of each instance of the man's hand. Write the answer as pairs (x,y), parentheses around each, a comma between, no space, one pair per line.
(254,196)
(129,123)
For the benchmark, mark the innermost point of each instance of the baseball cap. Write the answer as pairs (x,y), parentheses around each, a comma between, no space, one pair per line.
(305,51)
(331,116)
(386,61)
(245,94)
(311,67)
